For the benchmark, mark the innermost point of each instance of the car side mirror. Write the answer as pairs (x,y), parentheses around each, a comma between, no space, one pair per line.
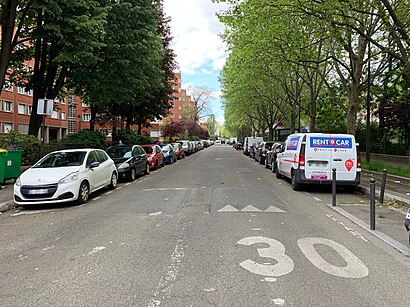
(94,165)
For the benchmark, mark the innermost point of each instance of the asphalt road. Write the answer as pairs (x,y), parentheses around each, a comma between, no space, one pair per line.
(214,229)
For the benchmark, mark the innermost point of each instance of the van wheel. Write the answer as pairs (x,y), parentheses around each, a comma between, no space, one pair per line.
(295,186)
(278,175)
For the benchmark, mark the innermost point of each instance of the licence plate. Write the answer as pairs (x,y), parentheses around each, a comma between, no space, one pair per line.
(318,175)
(317,164)
(38,191)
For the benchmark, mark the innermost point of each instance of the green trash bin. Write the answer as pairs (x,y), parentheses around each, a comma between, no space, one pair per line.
(3,156)
(12,164)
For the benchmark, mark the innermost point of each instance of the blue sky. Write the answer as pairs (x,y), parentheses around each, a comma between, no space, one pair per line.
(200,51)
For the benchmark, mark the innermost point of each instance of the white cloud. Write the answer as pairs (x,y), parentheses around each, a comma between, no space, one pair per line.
(195,29)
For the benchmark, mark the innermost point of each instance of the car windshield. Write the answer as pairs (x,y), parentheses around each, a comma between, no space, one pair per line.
(119,151)
(176,146)
(165,148)
(148,149)
(61,159)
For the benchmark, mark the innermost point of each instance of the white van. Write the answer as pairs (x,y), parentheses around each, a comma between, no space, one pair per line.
(308,158)
(248,143)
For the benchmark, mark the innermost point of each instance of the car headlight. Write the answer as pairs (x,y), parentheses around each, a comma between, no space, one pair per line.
(18,182)
(124,165)
(69,178)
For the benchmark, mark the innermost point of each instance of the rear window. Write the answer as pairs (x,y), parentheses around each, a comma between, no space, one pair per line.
(148,149)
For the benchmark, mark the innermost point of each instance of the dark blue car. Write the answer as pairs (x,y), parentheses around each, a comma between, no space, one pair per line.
(169,153)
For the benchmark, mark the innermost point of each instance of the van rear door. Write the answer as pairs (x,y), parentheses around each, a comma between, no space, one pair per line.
(318,157)
(344,156)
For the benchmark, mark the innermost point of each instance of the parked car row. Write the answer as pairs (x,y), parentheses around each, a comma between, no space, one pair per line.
(73,174)
(310,158)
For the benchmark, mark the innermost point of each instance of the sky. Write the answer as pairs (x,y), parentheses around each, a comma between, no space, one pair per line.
(200,52)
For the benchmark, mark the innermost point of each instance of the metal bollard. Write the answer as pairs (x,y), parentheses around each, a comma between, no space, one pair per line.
(333,187)
(383,185)
(372,204)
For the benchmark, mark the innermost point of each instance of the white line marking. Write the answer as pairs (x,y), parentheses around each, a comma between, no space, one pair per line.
(127,184)
(118,188)
(228,208)
(270,279)
(250,208)
(109,192)
(317,198)
(98,197)
(278,301)
(210,290)
(96,250)
(165,189)
(257,229)
(156,213)
(274,210)
(31,212)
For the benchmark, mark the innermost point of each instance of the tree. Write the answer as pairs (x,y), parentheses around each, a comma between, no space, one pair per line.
(211,124)
(201,97)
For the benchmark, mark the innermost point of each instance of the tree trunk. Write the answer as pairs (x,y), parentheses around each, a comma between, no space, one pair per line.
(351,116)
(93,110)
(8,21)
(312,110)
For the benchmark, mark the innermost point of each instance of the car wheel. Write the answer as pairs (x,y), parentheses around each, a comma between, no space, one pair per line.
(133,175)
(83,193)
(163,163)
(278,175)
(273,167)
(295,186)
(146,172)
(156,164)
(114,181)
(266,163)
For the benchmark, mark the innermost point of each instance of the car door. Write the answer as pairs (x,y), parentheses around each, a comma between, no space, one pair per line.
(94,174)
(136,155)
(106,167)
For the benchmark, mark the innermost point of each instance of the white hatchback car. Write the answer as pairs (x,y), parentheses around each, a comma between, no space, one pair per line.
(66,175)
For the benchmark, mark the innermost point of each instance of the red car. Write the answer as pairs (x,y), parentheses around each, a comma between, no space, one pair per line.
(154,155)
(179,150)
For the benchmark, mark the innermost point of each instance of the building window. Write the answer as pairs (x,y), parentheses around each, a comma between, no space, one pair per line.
(180,107)
(8,106)
(86,117)
(29,93)
(22,108)
(154,133)
(55,114)
(30,109)
(8,127)
(71,111)
(7,86)
(23,129)
(71,98)
(63,115)
(172,115)
(72,125)
(179,98)
(21,90)
(180,116)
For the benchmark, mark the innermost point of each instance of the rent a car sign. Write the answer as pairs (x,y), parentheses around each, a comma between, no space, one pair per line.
(326,142)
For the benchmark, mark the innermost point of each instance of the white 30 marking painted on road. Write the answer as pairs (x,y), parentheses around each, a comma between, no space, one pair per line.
(354,268)
(276,250)
(284,264)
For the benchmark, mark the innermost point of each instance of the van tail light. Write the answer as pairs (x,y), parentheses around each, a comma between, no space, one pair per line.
(359,162)
(301,160)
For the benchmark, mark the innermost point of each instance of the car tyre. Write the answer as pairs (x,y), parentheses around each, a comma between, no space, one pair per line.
(114,181)
(133,175)
(266,162)
(273,167)
(156,164)
(295,186)
(146,172)
(278,175)
(83,193)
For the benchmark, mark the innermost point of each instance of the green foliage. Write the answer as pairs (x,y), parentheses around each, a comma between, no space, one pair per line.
(86,138)
(28,143)
(379,167)
(131,137)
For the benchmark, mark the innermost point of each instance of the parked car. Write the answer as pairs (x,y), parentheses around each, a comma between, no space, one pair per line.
(270,160)
(179,150)
(187,147)
(248,143)
(310,158)
(64,176)
(252,150)
(169,153)
(130,160)
(238,145)
(262,151)
(154,155)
